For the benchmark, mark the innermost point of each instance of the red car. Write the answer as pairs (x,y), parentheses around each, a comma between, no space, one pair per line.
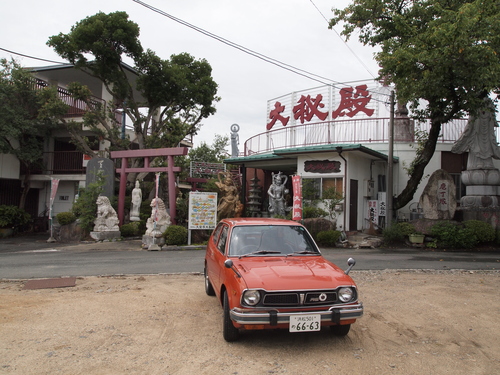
(269,273)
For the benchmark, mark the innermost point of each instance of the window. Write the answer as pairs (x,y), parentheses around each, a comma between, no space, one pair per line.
(221,245)
(312,188)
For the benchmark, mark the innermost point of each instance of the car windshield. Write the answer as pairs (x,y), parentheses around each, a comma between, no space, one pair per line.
(255,240)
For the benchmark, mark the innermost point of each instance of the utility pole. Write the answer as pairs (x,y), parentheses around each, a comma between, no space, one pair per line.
(390,167)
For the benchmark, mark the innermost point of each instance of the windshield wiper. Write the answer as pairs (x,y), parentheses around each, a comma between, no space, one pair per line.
(302,252)
(261,252)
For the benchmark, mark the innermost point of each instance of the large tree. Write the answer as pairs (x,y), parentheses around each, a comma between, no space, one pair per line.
(28,114)
(175,94)
(444,53)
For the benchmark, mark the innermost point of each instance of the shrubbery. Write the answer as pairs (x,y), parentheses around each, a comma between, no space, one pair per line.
(176,235)
(65,218)
(328,237)
(130,229)
(454,236)
(311,211)
(13,217)
(397,233)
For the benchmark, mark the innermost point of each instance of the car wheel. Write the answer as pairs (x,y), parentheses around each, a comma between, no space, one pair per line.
(229,331)
(209,289)
(340,330)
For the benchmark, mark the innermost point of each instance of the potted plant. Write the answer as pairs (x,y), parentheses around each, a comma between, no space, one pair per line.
(416,238)
(12,217)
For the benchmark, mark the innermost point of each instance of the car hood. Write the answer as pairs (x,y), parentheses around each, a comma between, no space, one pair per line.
(285,273)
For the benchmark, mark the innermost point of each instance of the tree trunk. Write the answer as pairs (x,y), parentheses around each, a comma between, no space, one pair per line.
(419,166)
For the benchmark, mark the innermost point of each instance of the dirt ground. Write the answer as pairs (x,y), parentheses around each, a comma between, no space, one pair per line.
(425,322)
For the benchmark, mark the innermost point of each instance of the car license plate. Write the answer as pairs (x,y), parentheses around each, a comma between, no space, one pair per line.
(305,323)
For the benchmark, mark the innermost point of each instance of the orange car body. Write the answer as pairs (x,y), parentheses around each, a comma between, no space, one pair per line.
(279,282)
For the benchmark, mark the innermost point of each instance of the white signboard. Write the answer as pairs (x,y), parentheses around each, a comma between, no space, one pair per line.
(373,211)
(382,208)
(202,210)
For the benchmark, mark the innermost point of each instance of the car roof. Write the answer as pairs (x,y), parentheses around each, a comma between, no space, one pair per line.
(258,221)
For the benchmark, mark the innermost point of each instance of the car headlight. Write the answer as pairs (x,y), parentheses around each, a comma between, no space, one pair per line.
(251,297)
(346,294)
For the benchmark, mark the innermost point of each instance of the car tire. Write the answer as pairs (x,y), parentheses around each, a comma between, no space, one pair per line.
(209,289)
(229,331)
(340,330)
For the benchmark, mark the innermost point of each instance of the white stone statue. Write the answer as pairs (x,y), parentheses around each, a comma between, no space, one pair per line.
(107,219)
(235,140)
(136,202)
(478,138)
(160,215)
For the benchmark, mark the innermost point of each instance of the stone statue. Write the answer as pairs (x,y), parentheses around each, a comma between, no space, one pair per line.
(136,202)
(478,138)
(107,219)
(235,140)
(229,202)
(277,192)
(160,215)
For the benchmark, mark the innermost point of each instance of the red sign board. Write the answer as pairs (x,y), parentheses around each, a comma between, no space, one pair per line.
(297,198)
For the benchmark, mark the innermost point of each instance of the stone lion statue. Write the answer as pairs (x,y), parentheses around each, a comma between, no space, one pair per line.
(107,219)
(160,215)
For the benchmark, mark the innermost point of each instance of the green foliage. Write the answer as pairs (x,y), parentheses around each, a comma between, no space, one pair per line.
(311,211)
(328,237)
(331,198)
(482,230)
(454,236)
(397,233)
(442,53)
(130,229)
(85,208)
(13,217)
(177,93)
(176,235)
(27,113)
(214,153)
(65,218)
(316,225)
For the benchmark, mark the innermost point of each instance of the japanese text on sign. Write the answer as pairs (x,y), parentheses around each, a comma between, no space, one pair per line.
(353,100)
(297,198)
(202,210)
(442,195)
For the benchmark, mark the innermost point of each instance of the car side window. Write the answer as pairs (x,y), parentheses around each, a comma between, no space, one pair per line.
(221,245)
(216,235)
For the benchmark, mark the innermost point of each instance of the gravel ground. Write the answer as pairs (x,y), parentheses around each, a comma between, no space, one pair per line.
(415,322)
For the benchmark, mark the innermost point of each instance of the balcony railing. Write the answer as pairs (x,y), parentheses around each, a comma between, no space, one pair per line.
(362,131)
(77,107)
(60,162)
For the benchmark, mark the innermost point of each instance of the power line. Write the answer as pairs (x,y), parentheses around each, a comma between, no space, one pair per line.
(268,59)
(343,41)
(301,72)
(34,58)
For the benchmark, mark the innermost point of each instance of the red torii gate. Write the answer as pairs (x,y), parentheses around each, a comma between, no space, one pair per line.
(146,154)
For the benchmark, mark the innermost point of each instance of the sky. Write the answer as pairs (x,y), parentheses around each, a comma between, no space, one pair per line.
(294,32)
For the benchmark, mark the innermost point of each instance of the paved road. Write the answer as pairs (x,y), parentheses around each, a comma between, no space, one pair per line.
(35,258)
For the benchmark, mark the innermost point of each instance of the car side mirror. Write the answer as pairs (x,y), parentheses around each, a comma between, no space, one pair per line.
(350,262)
(228,263)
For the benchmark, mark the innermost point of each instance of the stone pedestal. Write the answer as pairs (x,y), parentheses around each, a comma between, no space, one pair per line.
(106,236)
(489,215)
(149,241)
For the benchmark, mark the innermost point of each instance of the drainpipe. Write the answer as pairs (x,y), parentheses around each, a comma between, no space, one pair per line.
(339,150)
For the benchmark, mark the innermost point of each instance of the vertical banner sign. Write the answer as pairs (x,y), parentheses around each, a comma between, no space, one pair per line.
(202,210)
(156,194)
(382,207)
(53,191)
(373,211)
(297,198)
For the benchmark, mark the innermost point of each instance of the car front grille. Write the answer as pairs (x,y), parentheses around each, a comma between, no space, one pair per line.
(290,299)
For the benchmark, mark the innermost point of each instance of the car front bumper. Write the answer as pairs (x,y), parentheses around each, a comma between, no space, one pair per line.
(334,314)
